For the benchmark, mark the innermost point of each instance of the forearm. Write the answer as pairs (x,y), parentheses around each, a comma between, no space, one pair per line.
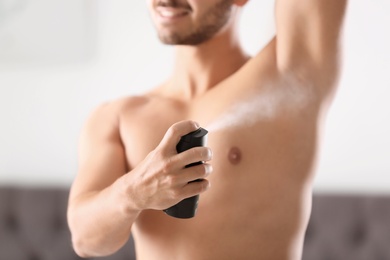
(99,222)
(100,219)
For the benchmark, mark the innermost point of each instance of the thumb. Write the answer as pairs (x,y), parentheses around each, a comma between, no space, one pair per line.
(176,131)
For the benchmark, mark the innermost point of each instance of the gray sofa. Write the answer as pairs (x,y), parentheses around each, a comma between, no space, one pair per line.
(342,227)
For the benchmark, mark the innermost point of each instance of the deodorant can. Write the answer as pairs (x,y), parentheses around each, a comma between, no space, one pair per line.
(187,207)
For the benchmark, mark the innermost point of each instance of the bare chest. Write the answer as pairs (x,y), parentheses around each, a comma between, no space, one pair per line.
(246,128)
(257,146)
(262,156)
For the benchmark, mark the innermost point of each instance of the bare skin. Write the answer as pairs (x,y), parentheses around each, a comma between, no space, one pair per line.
(256,191)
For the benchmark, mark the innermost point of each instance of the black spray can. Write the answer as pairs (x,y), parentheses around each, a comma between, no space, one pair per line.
(187,207)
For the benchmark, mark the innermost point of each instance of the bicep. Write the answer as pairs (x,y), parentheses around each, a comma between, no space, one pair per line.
(308,32)
(101,158)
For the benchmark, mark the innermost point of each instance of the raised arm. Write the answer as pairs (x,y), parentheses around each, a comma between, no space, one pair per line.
(308,36)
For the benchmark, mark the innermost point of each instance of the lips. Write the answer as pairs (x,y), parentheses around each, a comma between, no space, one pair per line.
(172,12)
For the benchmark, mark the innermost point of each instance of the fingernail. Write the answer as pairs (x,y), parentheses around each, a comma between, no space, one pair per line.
(196,124)
(209,169)
(209,154)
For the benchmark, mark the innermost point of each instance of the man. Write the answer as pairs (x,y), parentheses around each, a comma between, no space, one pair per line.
(264,114)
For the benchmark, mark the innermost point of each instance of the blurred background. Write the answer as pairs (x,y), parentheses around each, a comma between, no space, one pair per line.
(60,59)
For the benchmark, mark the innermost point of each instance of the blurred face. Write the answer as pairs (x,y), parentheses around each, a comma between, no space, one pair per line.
(189,22)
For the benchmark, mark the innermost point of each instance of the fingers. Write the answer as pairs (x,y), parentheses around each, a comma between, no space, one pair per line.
(184,182)
(176,131)
(193,173)
(195,188)
(196,154)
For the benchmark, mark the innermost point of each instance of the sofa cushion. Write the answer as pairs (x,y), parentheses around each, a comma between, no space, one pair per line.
(33,226)
(344,227)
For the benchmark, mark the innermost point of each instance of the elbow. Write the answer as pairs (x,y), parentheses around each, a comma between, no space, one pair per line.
(86,248)
(92,237)
(81,245)
(79,248)
(78,243)
(88,245)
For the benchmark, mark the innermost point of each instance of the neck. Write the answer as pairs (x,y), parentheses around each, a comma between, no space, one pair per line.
(199,68)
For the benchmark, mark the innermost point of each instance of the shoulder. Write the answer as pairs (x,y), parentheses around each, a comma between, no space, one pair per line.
(105,118)
(114,108)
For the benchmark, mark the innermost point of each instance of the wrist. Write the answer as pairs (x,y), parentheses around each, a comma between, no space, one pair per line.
(124,197)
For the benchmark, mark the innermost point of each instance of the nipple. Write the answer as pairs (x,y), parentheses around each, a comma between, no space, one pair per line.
(234,155)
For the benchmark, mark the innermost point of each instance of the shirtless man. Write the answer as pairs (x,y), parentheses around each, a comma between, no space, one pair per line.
(256,202)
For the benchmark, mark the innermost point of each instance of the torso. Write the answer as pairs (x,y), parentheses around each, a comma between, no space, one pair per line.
(259,201)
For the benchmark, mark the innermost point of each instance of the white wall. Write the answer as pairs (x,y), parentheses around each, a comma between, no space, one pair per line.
(44,104)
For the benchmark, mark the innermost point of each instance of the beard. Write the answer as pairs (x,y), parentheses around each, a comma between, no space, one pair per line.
(209,24)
